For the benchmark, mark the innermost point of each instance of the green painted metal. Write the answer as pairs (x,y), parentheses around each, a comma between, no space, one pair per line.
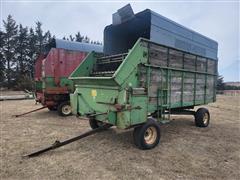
(38,85)
(205,87)
(48,82)
(121,97)
(195,83)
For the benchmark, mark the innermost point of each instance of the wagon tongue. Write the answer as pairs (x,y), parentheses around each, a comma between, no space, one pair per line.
(58,144)
(18,115)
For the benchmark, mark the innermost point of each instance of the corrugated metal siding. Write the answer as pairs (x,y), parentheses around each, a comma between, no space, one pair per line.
(169,33)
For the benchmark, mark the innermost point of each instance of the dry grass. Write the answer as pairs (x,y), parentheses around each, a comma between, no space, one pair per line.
(185,151)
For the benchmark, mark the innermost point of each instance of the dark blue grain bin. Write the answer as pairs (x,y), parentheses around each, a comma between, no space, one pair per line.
(120,36)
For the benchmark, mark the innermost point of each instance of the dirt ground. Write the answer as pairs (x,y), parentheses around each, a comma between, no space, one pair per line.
(9,93)
(185,151)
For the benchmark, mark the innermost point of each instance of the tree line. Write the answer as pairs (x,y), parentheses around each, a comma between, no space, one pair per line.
(221,86)
(20,46)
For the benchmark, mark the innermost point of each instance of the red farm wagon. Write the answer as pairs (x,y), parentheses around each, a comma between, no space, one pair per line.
(52,70)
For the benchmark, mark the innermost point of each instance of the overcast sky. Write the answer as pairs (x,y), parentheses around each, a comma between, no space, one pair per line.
(217,20)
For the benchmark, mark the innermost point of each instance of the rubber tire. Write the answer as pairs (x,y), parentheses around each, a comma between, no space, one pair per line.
(199,115)
(94,124)
(138,135)
(59,108)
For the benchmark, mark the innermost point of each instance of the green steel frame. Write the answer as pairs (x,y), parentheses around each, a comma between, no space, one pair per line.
(113,99)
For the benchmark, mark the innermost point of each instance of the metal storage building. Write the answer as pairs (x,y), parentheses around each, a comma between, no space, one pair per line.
(119,38)
(75,46)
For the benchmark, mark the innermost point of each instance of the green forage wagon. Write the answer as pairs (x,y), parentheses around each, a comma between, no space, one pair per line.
(151,68)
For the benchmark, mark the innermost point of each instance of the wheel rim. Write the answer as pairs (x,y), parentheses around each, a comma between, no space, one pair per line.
(205,118)
(66,110)
(150,135)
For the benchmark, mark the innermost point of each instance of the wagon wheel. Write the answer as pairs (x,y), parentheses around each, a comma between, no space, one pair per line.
(64,109)
(94,124)
(147,136)
(202,117)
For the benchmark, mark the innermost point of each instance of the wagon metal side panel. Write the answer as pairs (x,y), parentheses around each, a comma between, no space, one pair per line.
(55,69)
(38,68)
(61,63)
(177,79)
